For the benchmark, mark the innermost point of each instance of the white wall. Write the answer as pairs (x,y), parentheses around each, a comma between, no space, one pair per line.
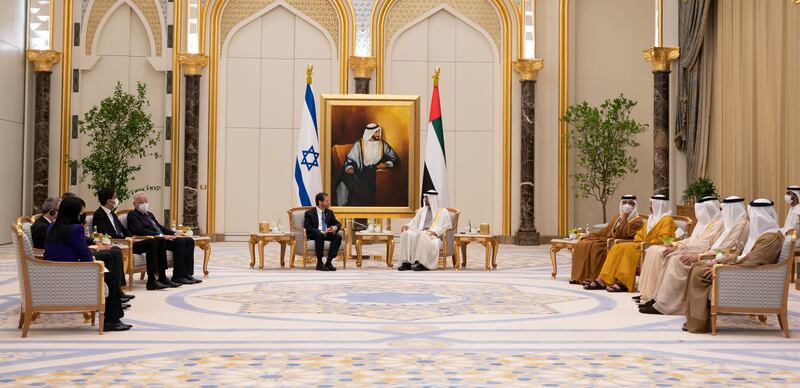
(471,97)
(262,82)
(12,108)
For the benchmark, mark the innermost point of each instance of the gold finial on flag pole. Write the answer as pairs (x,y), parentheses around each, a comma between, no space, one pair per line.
(309,71)
(435,77)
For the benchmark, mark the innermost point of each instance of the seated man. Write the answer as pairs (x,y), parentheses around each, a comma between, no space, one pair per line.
(619,272)
(142,222)
(589,253)
(105,221)
(669,296)
(792,199)
(763,246)
(709,227)
(39,228)
(421,239)
(321,225)
(66,242)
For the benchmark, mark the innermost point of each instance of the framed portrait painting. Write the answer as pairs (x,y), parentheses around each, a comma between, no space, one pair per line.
(370,151)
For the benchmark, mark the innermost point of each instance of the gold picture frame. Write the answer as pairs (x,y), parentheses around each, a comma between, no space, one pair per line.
(344,118)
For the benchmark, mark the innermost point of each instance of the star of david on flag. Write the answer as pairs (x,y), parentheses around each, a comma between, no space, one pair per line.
(314,162)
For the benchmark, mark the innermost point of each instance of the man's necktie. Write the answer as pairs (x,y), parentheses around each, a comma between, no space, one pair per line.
(323,224)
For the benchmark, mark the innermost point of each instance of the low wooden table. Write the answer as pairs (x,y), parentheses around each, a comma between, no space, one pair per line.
(263,239)
(557,245)
(488,241)
(382,237)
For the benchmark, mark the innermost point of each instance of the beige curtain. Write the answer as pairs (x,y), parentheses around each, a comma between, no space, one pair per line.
(754,137)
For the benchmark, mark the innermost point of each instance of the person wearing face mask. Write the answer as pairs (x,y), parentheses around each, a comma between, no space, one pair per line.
(709,226)
(589,253)
(764,243)
(39,227)
(792,198)
(105,220)
(619,271)
(143,223)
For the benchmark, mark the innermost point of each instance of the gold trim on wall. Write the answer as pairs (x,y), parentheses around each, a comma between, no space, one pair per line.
(563,103)
(378,43)
(345,26)
(66,95)
(148,11)
(175,160)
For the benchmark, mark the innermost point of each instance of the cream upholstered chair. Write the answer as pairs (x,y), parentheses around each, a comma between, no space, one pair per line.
(25,224)
(449,238)
(47,286)
(305,248)
(754,290)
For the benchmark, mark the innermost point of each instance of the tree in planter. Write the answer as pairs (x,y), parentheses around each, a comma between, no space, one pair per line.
(702,187)
(119,130)
(602,136)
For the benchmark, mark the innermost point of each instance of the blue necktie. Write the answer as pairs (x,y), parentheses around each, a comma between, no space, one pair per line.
(324,224)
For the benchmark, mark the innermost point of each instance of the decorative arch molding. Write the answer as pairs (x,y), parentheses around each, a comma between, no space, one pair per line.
(148,11)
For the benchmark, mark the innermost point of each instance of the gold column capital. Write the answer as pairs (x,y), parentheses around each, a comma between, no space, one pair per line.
(661,57)
(528,69)
(43,60)
(193,64)
(363,66)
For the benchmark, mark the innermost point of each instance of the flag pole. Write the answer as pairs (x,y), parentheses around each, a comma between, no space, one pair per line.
(435,77)
(309,72)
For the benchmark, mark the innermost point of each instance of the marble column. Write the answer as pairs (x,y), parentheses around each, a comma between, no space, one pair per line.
(528,70)
(193,67)
(362,66)
(43,61)
(661,57)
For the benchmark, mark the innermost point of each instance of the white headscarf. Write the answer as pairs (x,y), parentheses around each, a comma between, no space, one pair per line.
(372,149)
(706,211)
(661,208)
(733,211)
(433,200)
(635,211)
(763,219)
(794,211)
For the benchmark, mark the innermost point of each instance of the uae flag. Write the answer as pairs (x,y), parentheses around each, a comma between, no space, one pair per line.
(434,174)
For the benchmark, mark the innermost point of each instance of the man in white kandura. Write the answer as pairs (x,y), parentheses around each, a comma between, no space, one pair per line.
(421,239)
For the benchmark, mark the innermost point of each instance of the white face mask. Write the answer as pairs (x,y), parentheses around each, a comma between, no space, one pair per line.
(627,208)
(114,202)
(788,198)
(144,207)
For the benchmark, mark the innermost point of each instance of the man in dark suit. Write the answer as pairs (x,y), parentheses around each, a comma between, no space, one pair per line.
(143,223)
(105,220)
(321,225)
(39,228)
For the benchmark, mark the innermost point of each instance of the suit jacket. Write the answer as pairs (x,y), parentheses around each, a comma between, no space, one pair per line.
(104,225)
(311,222)
(142,224)
(39,232)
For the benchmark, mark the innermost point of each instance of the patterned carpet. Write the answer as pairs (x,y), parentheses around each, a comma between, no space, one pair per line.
(514,326)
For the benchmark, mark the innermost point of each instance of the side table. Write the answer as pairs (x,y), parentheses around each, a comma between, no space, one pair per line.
(557,245)
(383,237)
(488,241)
(263,239)
(204,243)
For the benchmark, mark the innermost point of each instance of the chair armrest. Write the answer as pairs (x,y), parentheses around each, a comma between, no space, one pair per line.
(610,242)
(38,253)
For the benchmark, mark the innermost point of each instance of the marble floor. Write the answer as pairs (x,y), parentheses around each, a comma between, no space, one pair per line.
(514,326)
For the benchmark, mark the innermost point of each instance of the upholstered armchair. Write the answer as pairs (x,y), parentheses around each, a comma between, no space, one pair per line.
(449,238)
(25,224)
(304,247)
(754,290)
(46,286)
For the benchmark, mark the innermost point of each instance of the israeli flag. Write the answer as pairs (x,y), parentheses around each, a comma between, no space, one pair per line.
(307,173)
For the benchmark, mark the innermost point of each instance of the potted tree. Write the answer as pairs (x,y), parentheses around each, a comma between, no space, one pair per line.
(602,136)
(119,130)
(701,187)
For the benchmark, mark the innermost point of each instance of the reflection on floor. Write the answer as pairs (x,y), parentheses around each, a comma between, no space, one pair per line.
(512,326)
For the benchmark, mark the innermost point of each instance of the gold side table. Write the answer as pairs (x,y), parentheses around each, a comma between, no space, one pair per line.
(263,239)
(371,238)
(488,241)
(557,245)
(204,243)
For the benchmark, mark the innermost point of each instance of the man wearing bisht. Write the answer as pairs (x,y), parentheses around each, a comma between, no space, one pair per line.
(357,182)
(589,253)
(421,239)
(792,198)
(763,246)
(619,271)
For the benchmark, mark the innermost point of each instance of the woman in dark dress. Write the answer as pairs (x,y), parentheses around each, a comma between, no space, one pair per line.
(66,242)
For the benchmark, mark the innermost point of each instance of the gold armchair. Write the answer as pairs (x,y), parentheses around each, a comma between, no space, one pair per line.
(448,239)
(24,224)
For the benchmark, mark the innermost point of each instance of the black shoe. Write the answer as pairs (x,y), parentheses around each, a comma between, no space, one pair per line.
(647,304)
(156,286)
(330,267)
(116,326)
(169,283)
(405,267)
(126,306)
(124,300)
(129,296)
(637,297)
(194,279)
(650,310)
(181,280)
(320,266)
(420,267)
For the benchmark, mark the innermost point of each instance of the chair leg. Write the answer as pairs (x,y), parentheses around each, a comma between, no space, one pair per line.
(87,317)
(141,276)
(26,324)
(713,324)
(102,322)
(130,282)
(21,319)
(783,320)
(93,315)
